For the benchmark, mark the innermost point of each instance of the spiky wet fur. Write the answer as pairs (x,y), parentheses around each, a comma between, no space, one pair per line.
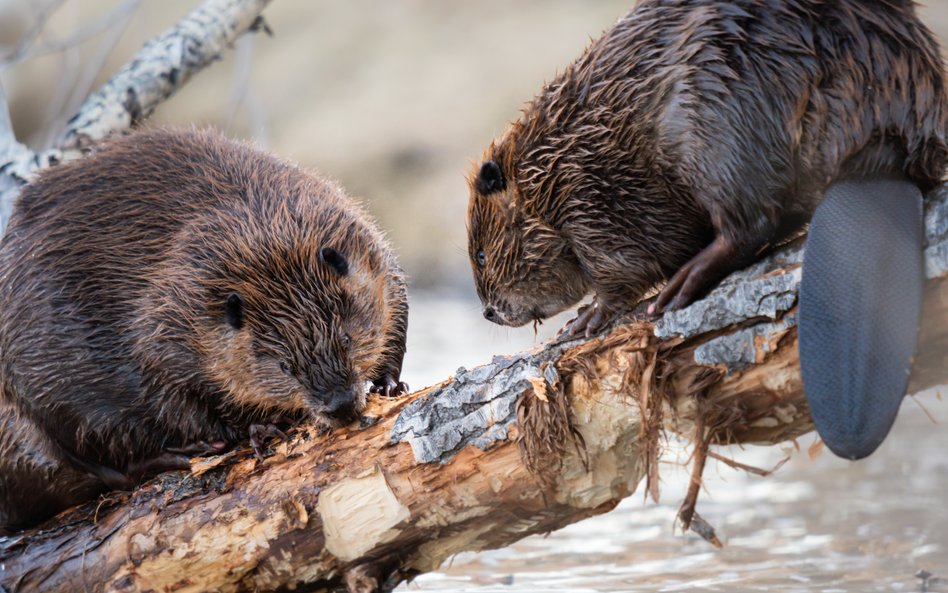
(690,119)
(114,337)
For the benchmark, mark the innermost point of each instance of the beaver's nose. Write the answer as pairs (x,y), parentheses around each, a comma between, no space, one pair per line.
(342,407)
(490,314)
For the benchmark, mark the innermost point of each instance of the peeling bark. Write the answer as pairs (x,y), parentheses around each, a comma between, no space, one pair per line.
(523,445)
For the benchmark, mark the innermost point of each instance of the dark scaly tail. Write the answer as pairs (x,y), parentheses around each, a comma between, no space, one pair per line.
(860,301)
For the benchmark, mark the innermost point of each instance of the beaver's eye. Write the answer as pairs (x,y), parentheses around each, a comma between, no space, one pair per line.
(285,367)
(346,340)
(481,258)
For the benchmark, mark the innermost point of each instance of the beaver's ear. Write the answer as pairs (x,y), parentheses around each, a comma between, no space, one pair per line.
(334,260)
(490,179)
(234,310)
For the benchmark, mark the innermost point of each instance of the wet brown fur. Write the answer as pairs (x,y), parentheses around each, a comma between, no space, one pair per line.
(694,119)
(115,337)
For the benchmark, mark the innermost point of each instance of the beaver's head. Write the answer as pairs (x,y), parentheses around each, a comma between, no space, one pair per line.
(283,301)
(524,270)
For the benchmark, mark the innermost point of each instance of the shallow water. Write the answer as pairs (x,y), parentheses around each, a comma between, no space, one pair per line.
(819,524)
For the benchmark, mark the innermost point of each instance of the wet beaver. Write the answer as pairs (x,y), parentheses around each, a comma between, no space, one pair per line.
(692,135)
(166,293)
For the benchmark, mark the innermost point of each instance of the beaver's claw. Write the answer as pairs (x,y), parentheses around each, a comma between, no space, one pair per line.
(588,321)
(387,386)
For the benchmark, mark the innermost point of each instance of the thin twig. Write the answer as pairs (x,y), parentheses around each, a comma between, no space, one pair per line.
(748,468)
(162,67)
(42,13)
(91,71)
(7,135)
(699,456)
(924,409)
(70,65)
(243,50)
(81,36)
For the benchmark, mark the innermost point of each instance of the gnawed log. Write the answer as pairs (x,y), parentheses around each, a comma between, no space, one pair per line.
(523,445)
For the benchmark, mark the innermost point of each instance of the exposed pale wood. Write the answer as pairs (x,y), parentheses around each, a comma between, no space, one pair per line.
(523,445)
(526,444)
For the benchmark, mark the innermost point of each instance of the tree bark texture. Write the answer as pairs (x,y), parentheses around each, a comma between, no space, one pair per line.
(523,445)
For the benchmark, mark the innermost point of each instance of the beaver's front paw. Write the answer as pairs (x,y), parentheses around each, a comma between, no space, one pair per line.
(389,386)
(589,320)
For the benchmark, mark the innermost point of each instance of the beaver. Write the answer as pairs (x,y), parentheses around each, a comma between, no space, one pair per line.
(695,134)
(167,293)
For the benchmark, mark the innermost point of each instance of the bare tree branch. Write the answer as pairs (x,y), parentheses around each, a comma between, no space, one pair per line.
(242,95)
(7,136)
(162,67)
(79,90)
(31,51)
(153,75)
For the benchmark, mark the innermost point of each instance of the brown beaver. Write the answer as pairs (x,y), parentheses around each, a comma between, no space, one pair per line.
(167,292)
(692,135)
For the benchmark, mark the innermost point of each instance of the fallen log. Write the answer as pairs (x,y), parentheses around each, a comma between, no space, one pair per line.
(523,445)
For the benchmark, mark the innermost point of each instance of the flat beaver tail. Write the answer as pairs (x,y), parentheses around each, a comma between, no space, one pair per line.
(860,302)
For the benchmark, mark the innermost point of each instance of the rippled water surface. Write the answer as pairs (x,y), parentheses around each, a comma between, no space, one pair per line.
(819,524)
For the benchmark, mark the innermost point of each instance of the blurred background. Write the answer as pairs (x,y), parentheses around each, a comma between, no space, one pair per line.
(396,99)
(393,98)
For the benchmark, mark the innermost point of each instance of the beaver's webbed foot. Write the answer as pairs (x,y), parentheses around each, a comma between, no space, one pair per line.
(589,320)
(389,386)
